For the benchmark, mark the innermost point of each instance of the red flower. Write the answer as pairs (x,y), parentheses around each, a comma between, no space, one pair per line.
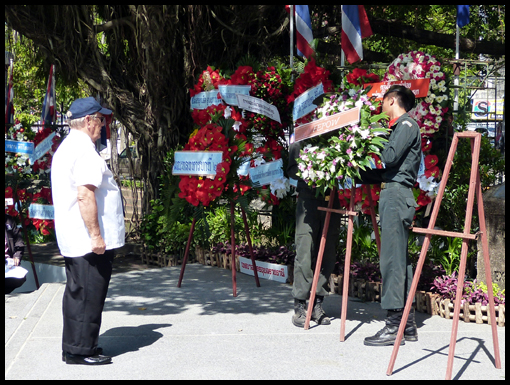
(430,161)
(377,160)
(243,75)
(222,169)
(423,199)
(360,76)
(433,171)
(426,145)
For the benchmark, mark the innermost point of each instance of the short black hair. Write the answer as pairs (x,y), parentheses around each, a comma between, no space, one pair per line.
(405,97)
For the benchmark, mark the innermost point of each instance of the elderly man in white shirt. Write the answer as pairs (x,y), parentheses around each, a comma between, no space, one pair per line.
(89,224)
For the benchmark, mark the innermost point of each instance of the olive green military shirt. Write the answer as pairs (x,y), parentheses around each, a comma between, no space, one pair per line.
(401,155)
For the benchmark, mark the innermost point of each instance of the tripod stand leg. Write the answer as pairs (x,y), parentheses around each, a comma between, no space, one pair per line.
(186,252)
(247,229)
(409,303)
(233,255)
(488,278)
(319,260)
(456,311)
(347,266)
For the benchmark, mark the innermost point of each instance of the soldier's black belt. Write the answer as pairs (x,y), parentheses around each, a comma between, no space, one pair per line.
(386,185)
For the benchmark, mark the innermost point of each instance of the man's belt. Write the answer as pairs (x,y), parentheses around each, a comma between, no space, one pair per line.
(386,185)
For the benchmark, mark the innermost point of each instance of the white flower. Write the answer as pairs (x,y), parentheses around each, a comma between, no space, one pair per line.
(236,126)
(280,187)
(258,161)
(227,112)
(427,184)
(364,134)
(321,156)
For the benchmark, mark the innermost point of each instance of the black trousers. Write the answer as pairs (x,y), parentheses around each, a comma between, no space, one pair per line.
(88,278)
(309,227)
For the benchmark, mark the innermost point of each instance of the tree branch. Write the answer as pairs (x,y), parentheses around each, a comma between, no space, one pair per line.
(115,23)
(398,29)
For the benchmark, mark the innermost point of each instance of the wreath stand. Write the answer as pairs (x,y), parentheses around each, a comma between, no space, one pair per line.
(17,203)
(474,186)
(233,258)
(351,213)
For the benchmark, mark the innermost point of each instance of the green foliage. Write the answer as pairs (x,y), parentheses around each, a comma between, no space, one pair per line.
(450,258)
(453,206)
(30,79)
(364,248)
(496,291)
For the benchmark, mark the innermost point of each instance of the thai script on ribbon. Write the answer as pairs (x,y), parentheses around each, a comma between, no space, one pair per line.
(271,271)
(266,173)
(205,99)
(199,163)
(38,211)
(228,92)
(304,103)
(21,147)
(258,106)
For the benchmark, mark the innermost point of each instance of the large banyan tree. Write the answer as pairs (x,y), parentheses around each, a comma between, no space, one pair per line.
(142,59)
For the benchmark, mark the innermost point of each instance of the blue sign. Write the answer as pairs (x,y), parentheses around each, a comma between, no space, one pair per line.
(42,148)
(266,173)
(21,147)
(198,163)
(228,93)
(304,103)
(205,99)
(38,211)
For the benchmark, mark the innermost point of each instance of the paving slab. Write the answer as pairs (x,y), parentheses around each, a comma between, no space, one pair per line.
(155,330)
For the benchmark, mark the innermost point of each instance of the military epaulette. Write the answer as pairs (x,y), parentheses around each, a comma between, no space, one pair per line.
(408,123)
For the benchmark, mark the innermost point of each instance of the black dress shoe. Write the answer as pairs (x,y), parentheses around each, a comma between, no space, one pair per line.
(384,337)
(75,359)
(98,351)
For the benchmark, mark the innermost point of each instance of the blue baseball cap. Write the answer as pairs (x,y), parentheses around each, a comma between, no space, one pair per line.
(86,106)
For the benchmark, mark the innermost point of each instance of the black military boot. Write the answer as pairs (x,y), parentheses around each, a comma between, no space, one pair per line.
(388,334)
(411,331)
(299,317)
(318,314)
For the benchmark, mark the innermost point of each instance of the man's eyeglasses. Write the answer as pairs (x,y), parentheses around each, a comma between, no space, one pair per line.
(101,118)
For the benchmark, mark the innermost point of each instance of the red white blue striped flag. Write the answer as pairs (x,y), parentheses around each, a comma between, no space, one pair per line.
(49,112)
(304,35)
(355,26)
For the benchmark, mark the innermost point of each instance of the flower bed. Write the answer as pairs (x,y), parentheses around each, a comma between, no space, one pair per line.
(478,313)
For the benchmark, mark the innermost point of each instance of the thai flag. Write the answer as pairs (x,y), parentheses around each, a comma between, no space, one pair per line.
(462,15)
(48,109)
(9,107)
(304,35)
(355,26)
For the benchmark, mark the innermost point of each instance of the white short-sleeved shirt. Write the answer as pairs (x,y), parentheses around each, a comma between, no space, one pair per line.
(76,163)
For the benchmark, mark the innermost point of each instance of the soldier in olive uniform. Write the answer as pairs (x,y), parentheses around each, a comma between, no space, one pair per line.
(401,155)
(309,226)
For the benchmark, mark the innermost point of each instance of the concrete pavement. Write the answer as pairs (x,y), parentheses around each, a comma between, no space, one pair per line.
(155,330)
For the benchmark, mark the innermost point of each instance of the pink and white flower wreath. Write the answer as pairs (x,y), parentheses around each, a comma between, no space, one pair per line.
(430,110)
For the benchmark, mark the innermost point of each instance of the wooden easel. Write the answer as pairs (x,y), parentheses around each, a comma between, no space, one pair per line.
(232,237)
(347,264)
(474,186)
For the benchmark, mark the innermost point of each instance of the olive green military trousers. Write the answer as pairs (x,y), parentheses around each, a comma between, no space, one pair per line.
(309,227)
(396,212)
